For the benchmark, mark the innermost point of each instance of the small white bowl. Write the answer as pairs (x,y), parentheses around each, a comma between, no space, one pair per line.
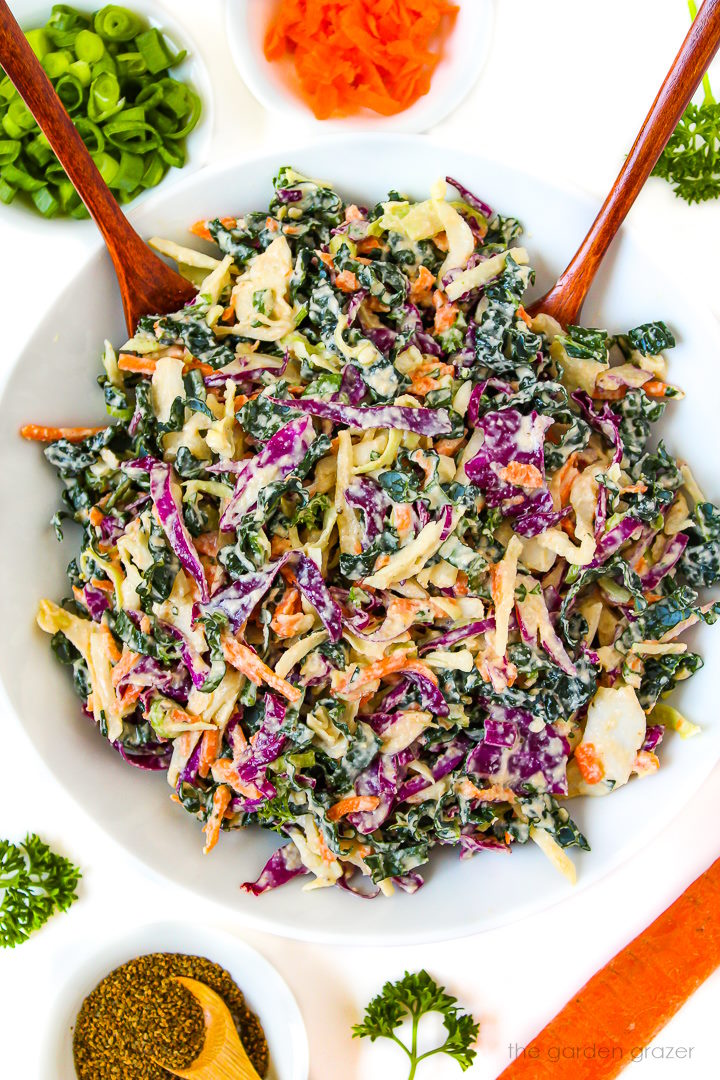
(193,70)
(265,992)
(465,54)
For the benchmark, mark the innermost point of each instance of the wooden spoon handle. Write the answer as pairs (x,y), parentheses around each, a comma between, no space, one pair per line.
(142,276)
(565,299)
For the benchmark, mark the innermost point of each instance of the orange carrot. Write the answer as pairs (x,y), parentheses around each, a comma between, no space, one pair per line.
(209,747)
(522,314)
(347,281)
(207,544)
(656,388)
(566,476)
(420,288)
(220,803)
(126,662)
(250,664)
(521,475)
(589,763)
(390,665)
(138,365)
(360,54)
(352,213)
(109,641)
(621,1009)
(200,227)
(39,433)
(448,447)
(367,244)
(95,516)
(353,804)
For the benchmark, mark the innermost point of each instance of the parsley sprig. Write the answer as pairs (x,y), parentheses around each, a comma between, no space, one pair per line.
(414,996)
(691,160)
(34,884)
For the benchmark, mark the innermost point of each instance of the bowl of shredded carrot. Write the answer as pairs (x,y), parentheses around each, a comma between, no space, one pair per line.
(398,64)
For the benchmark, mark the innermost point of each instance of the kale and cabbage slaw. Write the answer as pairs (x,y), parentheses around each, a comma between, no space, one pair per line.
(372,558)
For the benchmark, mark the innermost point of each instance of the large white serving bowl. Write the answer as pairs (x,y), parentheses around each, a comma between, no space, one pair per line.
(54,382)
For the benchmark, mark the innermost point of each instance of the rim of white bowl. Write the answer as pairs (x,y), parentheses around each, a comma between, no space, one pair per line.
(429,110)
(194,69)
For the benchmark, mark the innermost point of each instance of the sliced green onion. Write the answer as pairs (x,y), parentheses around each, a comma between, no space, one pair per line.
(7,90)
(92,134)
(111,71)
(70,91)
(20,179)
(129,175)
(9,150)
(89,47)
(108,167)
(115,23)
(39,42)
(39,151)
(7,193)
(57,63)
(45,202)
(155,51)
(131,65)
(81,70)
(155,169)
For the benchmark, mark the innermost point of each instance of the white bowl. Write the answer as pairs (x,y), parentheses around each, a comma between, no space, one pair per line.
(465,53)
(265,992)
(54,382)
(33,13)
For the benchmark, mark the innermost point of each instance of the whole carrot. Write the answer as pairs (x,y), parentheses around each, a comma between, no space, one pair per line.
(623,1007)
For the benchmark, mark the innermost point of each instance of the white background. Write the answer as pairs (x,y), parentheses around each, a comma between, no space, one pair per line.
(564,91)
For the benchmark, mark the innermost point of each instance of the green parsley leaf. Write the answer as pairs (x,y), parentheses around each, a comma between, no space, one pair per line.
(414,996)
(34,884)
(691,160)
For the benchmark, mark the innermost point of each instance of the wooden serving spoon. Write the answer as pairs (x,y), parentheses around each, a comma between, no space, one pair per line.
(565,300)
(223,1056)
(147,284)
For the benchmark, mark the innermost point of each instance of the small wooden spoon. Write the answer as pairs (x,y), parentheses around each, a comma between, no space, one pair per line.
(565,300)
(147,284)
(223,1056)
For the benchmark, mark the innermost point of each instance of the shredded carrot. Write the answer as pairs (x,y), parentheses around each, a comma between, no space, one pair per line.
(367,244)
(220,803)
(111,648)
(352,213)
(521,475)
(95,516)
(138,365)
(347,281)
(209,747)
(125,664)
(445,316)
(655,388)
(522,314)
(614,1016)
(200,227)
(207,544)
(39,433)
(145,365)
(420,288)
(589,764)
(353,804)
(449,447)
(389,665)
(250,664)
(566,476)
(360,54)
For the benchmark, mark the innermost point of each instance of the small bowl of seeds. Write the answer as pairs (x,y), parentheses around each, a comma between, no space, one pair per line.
(125,1007)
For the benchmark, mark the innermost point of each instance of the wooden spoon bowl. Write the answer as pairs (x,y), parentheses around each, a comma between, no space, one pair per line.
(223,1056)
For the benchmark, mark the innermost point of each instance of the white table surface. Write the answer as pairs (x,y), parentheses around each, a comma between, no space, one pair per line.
(565,89)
